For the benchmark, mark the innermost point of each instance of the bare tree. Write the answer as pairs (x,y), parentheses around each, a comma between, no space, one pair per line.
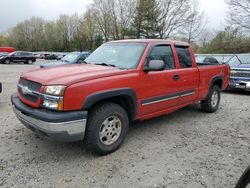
(125,10)
(103,14)
(174,15)
(239,12)
(195,22)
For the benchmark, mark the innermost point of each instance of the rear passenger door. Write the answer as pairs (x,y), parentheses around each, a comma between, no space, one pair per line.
(159,89)
(188,75)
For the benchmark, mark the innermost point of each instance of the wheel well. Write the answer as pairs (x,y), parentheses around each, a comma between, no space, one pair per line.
(218,82)
(124,101)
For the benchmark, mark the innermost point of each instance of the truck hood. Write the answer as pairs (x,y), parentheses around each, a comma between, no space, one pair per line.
(70,74)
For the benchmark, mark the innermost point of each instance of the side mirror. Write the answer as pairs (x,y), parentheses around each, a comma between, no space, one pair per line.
(155,65)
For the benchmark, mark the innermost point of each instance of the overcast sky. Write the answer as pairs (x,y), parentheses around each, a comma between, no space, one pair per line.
(14,11)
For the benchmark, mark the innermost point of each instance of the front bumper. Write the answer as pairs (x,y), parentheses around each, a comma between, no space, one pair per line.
(240,84)
(58,126)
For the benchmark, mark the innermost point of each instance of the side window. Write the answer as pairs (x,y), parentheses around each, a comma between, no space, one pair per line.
(164,53)
(184,57)
(83,57)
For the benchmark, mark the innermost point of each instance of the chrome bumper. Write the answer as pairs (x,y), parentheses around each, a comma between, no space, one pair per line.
(66,131)
(240,85)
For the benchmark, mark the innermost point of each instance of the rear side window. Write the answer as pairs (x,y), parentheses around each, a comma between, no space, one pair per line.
(84,56)
(164,53)
(184,56)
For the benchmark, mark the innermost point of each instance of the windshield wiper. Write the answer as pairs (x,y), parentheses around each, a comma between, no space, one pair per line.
(105,64)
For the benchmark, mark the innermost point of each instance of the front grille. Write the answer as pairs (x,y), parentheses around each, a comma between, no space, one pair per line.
(30,84)
(27,96)
(34,86)
(241,73)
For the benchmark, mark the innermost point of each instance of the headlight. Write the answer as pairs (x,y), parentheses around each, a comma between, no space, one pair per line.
(54,97)
(54,90)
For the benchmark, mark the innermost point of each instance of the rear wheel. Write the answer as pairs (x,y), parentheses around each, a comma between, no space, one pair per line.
(107,127)
(30,62)
(7,61)
(212,102)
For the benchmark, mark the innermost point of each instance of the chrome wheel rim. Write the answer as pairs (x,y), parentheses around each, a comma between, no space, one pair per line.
(110,130)
(7,61)
(30,62)
(214,99)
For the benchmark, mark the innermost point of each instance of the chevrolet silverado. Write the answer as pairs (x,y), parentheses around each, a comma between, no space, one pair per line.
(119,82)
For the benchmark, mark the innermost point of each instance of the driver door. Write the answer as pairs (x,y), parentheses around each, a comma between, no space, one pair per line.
(159,89)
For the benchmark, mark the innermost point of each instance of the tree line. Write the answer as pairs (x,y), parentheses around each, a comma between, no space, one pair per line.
(107,20)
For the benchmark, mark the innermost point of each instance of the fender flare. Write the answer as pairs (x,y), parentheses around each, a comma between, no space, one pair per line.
(214,79)
(90,100)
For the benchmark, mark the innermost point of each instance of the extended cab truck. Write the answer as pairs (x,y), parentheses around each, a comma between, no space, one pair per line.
(121,81)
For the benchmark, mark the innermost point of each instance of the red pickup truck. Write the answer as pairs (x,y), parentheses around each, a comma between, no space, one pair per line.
(120,82)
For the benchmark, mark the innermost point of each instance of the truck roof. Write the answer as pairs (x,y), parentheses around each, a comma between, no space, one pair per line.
(174,42)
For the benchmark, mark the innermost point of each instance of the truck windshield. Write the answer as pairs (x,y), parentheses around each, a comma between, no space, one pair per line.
(121,55)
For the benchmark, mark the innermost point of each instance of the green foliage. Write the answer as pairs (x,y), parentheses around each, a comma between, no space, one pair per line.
(145,23)
(231,40)
(3,40)
(67,33)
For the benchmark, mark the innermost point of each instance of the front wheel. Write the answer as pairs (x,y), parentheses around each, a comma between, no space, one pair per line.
(107,127)
(211,104)
(7,61)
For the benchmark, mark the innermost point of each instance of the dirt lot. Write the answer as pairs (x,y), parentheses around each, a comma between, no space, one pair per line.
(188,148)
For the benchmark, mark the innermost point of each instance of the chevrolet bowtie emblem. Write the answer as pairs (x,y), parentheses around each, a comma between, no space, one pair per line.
(25,90)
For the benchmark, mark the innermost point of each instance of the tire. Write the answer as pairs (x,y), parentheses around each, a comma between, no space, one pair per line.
(244,180)
(211,104)
(6,61)
(30,62)
(107,127)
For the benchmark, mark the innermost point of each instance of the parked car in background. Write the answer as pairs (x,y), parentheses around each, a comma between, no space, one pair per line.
(240,72)
(207,59)
(220,58)
(7,49)
(71,58)
(51,57)
(61,55)
(18,56)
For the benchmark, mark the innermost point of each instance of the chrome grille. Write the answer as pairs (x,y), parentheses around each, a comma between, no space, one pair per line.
(240,73)
(32,86)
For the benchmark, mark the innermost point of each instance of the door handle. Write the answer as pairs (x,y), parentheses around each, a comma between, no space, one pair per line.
(176,77)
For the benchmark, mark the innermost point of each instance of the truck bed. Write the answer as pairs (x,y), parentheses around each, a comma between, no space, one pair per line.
(208,72)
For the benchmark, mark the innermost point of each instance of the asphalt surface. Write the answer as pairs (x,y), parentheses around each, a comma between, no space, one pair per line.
(188,148)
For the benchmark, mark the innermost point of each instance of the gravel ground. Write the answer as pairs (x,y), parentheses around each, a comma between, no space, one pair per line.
(188,148)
